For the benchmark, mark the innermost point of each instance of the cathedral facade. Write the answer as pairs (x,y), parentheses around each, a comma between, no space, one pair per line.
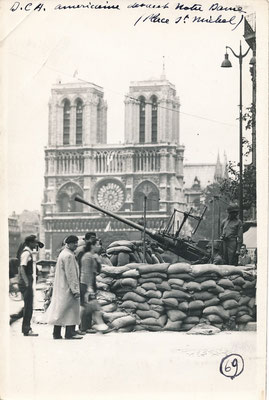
(116,177)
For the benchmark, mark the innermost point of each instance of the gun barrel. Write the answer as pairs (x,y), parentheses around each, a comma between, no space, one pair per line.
(111,214)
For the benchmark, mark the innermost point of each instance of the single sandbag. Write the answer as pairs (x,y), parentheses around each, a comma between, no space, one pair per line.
(110,316)
(123,259)
(140,290)
(142,306)
(244,319)
(226,283)
(154,280)
(185,277)
(196,312)
(158,308)
(150,321)
(162,286)
(203,329)
(210,284)
(214,319)
(109,307)
(130,282)
(239,281)
(156,301)
(114,259)
(162,320)
(192,286)
(127,329)
(179,268)
(132,273)
(183,306)
(173,325)
(218,310)
(156,294)
(151,268)
(149,286)
(153,275)
(228,295)
(251,302)
(176,315)
(233,311)
(128,304)
(170,302)
(178,294)
(192,320)
(114,271)
(118,243)
(228,304)
(202,269)
(104,279)
(212,302)
(249,285)
(123,321)
(216,290)
(196,305)
(147,314)
(203,296)
(178,282)
(118,249)
(187,327)
(133,297)
(206,277)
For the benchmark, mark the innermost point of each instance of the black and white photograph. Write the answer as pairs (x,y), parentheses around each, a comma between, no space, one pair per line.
(134,174)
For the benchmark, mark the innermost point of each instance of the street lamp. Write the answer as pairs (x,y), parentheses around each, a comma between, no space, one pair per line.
(227,64)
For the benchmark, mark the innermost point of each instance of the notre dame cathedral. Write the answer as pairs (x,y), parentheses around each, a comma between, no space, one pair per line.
(116,177)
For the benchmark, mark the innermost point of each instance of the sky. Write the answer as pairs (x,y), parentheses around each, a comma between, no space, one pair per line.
(107,49)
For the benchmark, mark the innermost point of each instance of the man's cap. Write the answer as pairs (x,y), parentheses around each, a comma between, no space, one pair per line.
(88,235)
(233,208)
(71,239)
(33,239)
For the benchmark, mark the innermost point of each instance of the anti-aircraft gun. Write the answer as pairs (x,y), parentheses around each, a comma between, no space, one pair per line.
(183,247)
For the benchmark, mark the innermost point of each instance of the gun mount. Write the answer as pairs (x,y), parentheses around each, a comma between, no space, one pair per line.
(182,247)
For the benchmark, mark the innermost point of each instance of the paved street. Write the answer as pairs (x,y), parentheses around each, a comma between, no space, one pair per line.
(129,365)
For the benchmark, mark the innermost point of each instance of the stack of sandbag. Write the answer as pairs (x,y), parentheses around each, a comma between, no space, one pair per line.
(123,252)
(176,297)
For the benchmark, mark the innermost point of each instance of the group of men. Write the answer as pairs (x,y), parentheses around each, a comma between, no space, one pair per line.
(73,289)
(64,309)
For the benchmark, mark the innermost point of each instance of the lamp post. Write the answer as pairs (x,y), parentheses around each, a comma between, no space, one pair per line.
(227,64)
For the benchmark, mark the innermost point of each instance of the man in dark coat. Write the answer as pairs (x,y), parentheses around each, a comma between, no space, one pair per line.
(232,235)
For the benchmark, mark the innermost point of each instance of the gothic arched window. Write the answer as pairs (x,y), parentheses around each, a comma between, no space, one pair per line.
(66,122)
(142,108)
(149,190)
(154,115)
(79,117)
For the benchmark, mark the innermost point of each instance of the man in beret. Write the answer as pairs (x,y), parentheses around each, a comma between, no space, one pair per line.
(232,235)
(65,303)
(25,281)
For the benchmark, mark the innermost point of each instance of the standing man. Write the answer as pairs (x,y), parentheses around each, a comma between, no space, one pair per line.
(64,307)
(244,258)
(88,238)
(25,282)
(232,235)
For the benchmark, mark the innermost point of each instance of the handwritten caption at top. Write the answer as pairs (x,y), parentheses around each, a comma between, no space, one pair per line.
(194,13)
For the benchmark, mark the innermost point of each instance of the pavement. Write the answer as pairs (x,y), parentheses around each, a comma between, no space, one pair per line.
(139,365)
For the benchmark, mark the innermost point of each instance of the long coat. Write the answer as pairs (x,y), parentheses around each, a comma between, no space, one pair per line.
(64,307)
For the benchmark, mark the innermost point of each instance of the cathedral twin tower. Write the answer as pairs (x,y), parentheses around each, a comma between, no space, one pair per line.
(116,177)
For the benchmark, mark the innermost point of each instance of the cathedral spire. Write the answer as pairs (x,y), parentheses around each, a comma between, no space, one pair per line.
(218,170)
(163,76)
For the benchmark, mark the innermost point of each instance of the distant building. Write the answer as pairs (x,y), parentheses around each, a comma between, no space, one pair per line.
(116,177)
(14,235)
(29,223)
(198,176)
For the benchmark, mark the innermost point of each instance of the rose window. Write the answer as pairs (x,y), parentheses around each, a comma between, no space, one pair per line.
(110,196)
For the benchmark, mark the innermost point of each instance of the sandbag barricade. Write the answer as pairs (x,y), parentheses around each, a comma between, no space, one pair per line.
(176,297)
